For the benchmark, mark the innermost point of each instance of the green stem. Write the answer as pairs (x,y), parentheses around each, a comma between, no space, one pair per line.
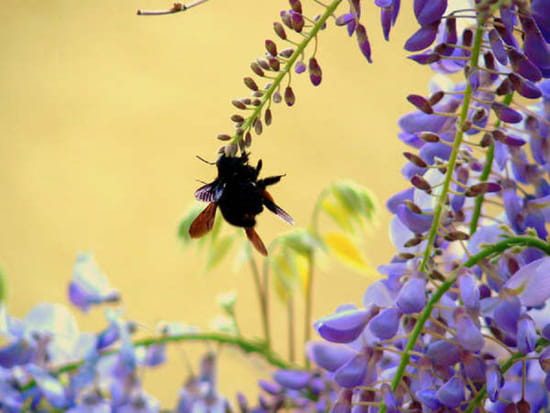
(489,157)
(456,149)
(291,330)
(308,316)
(285,69)
(246,345)
(262,297)
(436,296)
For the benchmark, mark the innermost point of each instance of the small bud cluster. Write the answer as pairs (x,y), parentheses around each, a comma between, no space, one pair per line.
(274,66)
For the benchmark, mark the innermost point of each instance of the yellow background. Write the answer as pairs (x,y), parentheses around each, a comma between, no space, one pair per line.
(101,116)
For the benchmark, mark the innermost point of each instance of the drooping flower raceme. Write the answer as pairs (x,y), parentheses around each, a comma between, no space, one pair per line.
(457,321)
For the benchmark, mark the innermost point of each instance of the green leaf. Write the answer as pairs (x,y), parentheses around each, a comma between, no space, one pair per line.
(300,241)
(283,267)
(218,250)
(338,213)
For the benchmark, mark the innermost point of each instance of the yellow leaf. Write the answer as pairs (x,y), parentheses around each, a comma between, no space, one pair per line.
(346,251)
(338,213)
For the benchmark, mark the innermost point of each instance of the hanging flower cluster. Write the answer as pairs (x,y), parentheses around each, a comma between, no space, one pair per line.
(460,319)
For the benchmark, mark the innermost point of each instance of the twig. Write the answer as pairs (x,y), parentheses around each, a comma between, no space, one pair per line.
(176,8)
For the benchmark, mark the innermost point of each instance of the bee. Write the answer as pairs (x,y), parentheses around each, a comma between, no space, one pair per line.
(240,195)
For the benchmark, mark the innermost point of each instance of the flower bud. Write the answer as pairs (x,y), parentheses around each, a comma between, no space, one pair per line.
(267,117)
(237,118)
(264,64)
(238,104)
(271,47)
(315,74)
(421,183)
(429,137)
(258,128)
(436,97)
(482,188)
(415,159)
(224,137)
(286,52)
(256,69)
(250,83)
(296,5)
(274,64)
(290,99)
(457,236)
(421,103)
(297,21)
(279,30)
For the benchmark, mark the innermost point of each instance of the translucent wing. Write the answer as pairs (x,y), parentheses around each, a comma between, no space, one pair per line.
(211,192)
(277,210)
(204,221)
(255,240)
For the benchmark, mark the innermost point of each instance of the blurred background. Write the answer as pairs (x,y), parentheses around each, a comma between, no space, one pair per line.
(101,116)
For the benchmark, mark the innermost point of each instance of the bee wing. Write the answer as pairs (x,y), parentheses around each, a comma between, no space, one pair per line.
(204,221)
(211,192)
(276,209)
(255,240)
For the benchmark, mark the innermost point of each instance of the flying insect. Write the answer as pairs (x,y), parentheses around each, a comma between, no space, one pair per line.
(240,195)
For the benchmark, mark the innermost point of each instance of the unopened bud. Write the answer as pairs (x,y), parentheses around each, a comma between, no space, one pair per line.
(415,159)
(247,139)
(290,99)
(250,83)
(421,183)
(436,97)
(457,236)
(258,128)
(315,73)
(238,104)
(429,137)
(224,137)
(482,188)
(271,47)
(237,118)
(421,103)
(274,64)
(286,52)
(267,117)
(256,68)
(279,30)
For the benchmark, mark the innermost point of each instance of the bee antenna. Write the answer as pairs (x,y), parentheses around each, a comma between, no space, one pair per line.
(205,161)
(202,182)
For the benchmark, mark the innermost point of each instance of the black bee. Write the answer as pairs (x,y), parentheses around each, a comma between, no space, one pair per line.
(240,195)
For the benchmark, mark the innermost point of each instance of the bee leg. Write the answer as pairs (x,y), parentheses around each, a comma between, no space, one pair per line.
(255,240)
(258,168)
(270,180)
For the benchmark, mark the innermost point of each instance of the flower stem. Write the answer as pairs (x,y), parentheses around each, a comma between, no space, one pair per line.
(261,291)
(291,329)
(456,149)
(285,69)
(436,296)
(308,316)
(246,345)
(489,157)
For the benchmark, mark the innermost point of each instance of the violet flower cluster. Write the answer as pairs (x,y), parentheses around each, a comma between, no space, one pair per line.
(460,322)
